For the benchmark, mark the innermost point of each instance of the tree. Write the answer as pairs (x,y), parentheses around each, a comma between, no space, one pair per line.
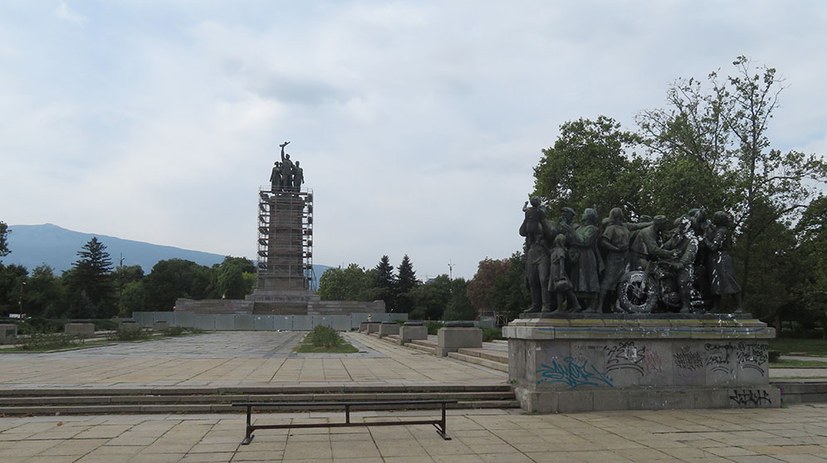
(481,287)
(124,276)
(4,245)
(91,286)
(351,283)
(510,294)
(45,296)
(385,283)
(771,183)
(172,279)
(459,305)
(230,282)
(589,166)
(405,283)
(713,151)
(13,279)
(430,299)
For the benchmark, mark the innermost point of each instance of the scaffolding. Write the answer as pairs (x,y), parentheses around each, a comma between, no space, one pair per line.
(285,240)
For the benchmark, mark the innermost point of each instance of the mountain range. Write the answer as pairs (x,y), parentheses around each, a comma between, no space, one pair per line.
(34,245)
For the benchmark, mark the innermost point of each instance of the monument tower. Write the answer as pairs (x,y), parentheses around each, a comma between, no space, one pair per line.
(285,241)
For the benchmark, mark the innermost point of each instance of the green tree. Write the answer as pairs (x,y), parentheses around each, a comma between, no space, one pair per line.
(431,298)
(13,279)
(590,165)
(481,288)
(4,244)
(773,185)
(510,294)
(811,263)
(91,286)
(133,298)
(459,305)
(351,283)
(230,282)
(406,282)
(45,295)
(125,275)
(172,279)
(385,283)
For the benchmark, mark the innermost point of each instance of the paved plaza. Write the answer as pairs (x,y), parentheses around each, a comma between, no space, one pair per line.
(793,434)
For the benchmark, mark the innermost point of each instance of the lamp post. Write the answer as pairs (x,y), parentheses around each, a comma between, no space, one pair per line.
(20,299)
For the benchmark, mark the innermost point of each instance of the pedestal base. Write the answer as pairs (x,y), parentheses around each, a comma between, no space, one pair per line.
(577,362)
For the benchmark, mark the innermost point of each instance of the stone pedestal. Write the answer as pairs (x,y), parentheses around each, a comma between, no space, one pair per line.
(584,362)
(411,331)
(387,328)
(451,338)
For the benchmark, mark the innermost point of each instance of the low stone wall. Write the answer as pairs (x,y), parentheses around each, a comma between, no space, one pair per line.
(582,362)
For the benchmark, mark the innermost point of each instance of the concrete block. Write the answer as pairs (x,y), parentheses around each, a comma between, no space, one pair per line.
(129,326)
(160,326)
(8,333)
(450,339)
(388,328)
(79,329)
(412,332)
(373,327)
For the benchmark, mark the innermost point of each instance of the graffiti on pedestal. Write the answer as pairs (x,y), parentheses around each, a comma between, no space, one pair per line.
(750,397)
(573,373)
(688,359)
(751,355)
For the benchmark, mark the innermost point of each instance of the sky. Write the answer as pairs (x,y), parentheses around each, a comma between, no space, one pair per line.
(418,123)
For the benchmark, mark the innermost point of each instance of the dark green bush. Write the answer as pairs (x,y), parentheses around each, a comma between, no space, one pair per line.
(490,334)
(324,336)
(433,326)
(123,334)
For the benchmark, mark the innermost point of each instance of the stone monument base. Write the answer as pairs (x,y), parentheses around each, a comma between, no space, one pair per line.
(584,362)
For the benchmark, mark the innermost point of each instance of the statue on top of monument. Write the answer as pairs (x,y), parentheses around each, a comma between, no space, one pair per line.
(286,168)
(286,175)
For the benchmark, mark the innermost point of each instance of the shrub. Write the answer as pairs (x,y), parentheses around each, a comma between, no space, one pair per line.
(50,341)
(433,326)
(490,334)
(324,336)
(128,335)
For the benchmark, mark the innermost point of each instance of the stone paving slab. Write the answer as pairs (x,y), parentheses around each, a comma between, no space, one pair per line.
(794,434)
(232,359)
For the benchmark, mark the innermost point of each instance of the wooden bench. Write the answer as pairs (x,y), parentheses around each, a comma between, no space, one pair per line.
(439,424)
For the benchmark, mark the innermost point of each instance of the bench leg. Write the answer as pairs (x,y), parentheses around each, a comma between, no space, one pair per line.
(248,430)
(442,428)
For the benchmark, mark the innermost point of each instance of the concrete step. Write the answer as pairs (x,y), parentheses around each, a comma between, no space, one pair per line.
(495,365)
(424,346)
(492,355)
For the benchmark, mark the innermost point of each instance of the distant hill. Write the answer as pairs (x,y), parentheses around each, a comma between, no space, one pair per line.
(57,247)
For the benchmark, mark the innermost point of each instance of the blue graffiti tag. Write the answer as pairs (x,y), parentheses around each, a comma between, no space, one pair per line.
(573,374)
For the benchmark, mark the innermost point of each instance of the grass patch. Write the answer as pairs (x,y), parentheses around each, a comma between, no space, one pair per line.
(490,334)
(324,339)
(45,342)
(793,346)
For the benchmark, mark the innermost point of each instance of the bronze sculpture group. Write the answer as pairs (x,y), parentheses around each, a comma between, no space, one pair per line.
(286,175)
(633,267)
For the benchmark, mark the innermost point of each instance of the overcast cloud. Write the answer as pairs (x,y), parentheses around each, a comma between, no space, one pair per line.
(418,123)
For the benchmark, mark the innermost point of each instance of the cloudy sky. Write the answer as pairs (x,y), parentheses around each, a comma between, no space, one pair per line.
(418,123)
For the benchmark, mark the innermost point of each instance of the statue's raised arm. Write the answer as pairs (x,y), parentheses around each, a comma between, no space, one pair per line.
(282,149)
